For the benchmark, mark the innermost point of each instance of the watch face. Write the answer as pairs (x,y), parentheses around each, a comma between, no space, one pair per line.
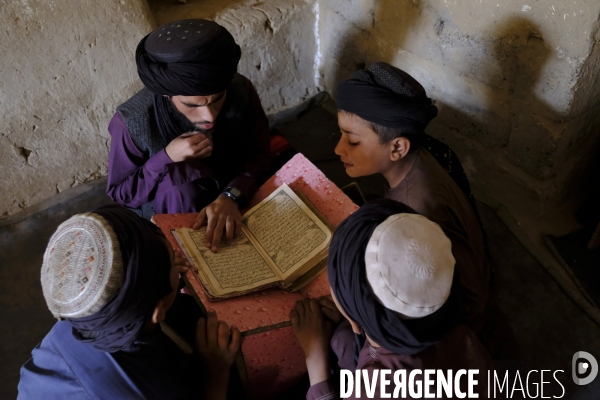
(235,192)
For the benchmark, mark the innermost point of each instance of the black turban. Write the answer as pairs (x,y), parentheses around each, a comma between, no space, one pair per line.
(147,279)
(191,57)
(387,96)
(347,276)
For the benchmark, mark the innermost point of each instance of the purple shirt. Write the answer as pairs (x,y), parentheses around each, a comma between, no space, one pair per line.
(460,349)
(240,160)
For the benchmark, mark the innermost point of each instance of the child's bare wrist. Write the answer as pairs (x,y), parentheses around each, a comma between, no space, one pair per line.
(317,365)
(219,373)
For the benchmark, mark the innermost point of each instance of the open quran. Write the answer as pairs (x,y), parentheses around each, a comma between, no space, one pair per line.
(283,242)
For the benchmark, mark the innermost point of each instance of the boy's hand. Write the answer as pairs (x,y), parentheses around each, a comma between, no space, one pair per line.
(330,310)
(220,216)
(182,266)
(313,333)
(181,263)
(217,344)
(190,145)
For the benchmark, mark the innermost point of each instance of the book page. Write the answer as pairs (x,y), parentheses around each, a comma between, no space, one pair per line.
(235,267)
(287,230)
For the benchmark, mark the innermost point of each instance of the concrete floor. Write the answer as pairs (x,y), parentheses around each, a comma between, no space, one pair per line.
(25,318)
(548,326)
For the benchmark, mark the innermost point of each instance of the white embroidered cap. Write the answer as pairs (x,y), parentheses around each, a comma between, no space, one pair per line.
(409,265)
(82,268)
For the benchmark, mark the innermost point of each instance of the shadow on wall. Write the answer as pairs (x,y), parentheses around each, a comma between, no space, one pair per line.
(511,128)
(515,55)
(349,47)
(520,51)
(532,142)
(487,88)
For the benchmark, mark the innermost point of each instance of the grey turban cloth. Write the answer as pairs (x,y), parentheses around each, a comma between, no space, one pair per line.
(387,96)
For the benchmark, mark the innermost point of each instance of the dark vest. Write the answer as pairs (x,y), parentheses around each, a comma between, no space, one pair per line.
(140,120)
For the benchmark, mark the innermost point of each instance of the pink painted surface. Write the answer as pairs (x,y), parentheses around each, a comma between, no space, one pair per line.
(274,361)
(302,175)
(268,309)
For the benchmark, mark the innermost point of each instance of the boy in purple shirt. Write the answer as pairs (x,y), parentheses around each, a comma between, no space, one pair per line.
(196,137)
(393,281)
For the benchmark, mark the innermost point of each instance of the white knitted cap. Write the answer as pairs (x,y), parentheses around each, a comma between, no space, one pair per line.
(409,265)
(82,268)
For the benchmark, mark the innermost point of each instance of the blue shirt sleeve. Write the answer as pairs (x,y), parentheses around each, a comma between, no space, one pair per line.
(47,376)
(65,368)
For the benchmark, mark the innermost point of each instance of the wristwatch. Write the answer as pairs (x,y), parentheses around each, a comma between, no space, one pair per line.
(232,193)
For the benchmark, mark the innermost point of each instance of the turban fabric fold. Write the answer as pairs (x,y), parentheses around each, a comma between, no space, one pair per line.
(347,276)
(387,96)
(147,279)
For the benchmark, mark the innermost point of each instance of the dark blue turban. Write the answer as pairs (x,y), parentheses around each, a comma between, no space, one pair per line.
(347,276)
(147,279)
(387,96)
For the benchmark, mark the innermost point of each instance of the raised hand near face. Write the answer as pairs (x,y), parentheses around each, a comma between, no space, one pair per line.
(190,145)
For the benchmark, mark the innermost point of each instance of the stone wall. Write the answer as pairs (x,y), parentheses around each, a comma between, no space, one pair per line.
(278,44)
(64,70)
(277,37)
(516,82)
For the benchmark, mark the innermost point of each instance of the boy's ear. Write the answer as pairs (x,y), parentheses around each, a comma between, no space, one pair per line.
(399,148)
(159,312)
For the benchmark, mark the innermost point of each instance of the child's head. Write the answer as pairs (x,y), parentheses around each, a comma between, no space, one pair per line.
(391,273)
(367,148)
(110,274)
(383,112)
